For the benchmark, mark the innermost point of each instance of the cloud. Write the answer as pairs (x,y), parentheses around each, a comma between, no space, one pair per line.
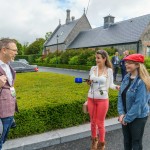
(30,19)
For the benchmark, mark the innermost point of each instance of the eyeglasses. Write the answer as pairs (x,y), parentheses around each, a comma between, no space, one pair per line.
(129,62)
(15,50)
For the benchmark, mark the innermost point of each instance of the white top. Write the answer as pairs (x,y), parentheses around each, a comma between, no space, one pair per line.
(100,85)
(8,72)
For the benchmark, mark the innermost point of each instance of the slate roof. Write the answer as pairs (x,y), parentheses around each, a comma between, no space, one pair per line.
(62,31)
(121,32)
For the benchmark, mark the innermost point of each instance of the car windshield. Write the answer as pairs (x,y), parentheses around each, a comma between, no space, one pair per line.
(23,60)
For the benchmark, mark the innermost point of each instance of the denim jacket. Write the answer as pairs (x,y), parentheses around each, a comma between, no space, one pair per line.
(137,98)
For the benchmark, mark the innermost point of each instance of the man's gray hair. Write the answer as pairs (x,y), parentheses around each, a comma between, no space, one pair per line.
(5,42)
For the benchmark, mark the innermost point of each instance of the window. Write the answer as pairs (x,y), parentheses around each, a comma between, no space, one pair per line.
(148,51)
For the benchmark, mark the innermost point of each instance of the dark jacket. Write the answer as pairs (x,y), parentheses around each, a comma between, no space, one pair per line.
(114,59)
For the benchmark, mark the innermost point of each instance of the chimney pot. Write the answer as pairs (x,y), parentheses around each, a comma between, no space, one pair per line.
(73,18)
(68,16)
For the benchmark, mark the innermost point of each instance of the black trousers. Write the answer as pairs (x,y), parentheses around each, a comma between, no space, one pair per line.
(123,73)
(133,134)
(116,67)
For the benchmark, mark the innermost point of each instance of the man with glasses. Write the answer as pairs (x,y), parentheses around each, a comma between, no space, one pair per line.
(8,105)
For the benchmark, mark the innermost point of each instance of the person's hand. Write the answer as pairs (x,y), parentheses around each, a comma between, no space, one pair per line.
(121,120)
(123,123)
(3,80)
(118,87)
(88,82)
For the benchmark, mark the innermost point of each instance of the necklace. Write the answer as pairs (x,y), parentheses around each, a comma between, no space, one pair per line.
(101,72)
(132,77)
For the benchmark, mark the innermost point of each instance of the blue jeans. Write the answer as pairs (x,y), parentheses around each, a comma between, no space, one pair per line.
(7,122)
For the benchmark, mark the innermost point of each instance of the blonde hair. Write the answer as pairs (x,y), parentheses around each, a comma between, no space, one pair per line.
(104,54)
(144,75)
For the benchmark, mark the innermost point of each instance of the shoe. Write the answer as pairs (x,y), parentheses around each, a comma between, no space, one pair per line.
(13,124)
(101,146)
(94,143)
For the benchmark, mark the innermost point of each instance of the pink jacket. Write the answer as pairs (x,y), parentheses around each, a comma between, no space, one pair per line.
(8,104)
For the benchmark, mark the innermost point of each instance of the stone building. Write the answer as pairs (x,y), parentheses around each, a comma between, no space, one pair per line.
(132,34)
(66,33)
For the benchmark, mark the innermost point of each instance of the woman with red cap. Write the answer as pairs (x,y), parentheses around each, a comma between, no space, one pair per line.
(133,105)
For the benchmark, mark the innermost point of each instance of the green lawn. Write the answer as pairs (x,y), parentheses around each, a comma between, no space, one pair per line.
(38,89)
(49,101)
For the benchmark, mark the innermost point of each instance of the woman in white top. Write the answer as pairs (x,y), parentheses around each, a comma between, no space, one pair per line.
(101,79)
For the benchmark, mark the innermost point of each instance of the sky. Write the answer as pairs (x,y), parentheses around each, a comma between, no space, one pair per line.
(26,20)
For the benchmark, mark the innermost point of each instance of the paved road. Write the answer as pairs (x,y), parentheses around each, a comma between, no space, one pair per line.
(72,72)
(114,141)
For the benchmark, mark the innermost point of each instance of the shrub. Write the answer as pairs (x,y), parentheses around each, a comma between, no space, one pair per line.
(77,67)
(74,60)
(54,60)
(91,60)
(22,57)
(39,60)
(147,62)
(110,51)
(66,55)
(84,55)
(30,58)
(49,101)
(46,60)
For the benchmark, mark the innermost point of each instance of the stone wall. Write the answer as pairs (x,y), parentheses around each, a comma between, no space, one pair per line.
(83,24)
(146,41)
(53,48)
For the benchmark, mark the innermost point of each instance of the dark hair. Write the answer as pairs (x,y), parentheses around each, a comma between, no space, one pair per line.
(104,54)
(5,42)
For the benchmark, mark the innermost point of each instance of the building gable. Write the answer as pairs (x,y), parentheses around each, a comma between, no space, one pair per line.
(82,25)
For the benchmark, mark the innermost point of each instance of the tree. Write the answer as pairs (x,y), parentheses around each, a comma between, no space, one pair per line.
(36,47)
(24,47)
(19,47)
(47,35)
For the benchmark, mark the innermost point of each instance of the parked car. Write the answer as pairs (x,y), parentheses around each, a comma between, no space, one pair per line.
(24,61)
(22,67)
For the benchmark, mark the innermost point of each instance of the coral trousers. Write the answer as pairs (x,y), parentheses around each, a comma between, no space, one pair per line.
(97,109)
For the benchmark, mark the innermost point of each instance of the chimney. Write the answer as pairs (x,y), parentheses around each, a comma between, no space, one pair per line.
(73,18)
(68,16)
(108,21)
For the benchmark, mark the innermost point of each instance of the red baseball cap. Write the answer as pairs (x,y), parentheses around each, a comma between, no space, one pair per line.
(135,57)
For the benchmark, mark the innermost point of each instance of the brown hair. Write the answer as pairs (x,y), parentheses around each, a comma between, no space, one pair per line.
(5,42)
(104,54)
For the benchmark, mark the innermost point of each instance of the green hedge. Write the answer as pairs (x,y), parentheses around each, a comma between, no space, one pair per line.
(78,67)
(49,101)
(29,58)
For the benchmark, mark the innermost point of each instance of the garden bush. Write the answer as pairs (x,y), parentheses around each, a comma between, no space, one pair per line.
(74,60)
(30,58)
(49,101)
(147,62)
(77,67)
(55,60)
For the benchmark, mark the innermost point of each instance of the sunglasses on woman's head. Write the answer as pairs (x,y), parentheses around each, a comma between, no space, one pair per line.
(102,52)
